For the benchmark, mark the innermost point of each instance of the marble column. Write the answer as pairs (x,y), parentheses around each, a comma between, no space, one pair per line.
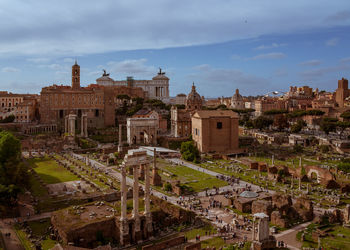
(120,139)
(147,212)
(135,211)
(124,226)
(66,124)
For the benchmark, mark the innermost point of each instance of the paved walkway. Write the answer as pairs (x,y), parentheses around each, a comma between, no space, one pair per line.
(289,236)
(11,242)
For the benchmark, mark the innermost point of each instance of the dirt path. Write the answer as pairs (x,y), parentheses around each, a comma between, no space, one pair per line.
(289,236)
(11,242)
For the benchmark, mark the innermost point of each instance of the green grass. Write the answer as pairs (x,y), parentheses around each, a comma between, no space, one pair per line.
(50,172)
(37,189)
(39,228)
(200,231)
(197,180)
(23,238)
(217,242)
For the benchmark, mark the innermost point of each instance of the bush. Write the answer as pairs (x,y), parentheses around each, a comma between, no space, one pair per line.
(324,149)
(8,119)
(167,187)
(298,148)
(189,152)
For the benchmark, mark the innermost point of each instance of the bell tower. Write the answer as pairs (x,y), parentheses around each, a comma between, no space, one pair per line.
(75,76)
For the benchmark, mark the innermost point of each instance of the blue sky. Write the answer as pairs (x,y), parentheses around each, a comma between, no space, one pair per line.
(256,46)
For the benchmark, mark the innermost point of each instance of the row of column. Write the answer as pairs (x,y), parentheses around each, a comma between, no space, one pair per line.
(124,228)
(69,125)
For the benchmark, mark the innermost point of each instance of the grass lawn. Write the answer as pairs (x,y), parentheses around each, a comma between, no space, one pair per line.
(200,231)
(39,228)
(50,172)
(197,180)
(217,242)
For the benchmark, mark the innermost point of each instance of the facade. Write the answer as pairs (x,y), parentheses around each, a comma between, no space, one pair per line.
(181,118)
(22,106)
(215,131)
(143,127)
(237,101)
(266,104)
(157,88)
(342,92)
(97,102)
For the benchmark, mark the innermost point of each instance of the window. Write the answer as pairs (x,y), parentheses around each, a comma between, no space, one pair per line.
(219,125)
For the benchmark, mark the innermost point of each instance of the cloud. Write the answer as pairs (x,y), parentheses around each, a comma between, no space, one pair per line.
(38,59)
(10,70)
(128,25)
(321,72)
(280,73)
(131,67)
(271,46)
(311,63)
(218,81)
(345,60)
(339,16)
(275,55)
(68,60)
(235,57)
(332,42)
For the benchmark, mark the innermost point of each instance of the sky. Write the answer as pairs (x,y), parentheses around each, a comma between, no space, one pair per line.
(257,46)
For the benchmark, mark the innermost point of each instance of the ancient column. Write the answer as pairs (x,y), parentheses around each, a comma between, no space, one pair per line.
(299,183)
(147,202)
(66,124)
(135,211)
(86,125)
(273,160)
(120,139)
(124,227)
(82,126)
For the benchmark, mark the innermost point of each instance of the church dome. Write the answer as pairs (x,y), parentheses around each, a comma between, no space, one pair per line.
(237,96)
(193,95)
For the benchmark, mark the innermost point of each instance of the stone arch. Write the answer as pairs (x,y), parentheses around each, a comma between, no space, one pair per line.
(312,173)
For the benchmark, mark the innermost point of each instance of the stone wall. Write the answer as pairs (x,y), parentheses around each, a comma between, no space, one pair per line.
(262,206)
(165,244)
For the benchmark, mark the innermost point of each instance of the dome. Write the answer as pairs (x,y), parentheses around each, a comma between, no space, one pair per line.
(193,95)
(237,96)
(248,194)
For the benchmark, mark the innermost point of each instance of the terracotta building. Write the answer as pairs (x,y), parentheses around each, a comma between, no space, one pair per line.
(97,102)
(181,118)
(342,92)
(215,131)
(22,106)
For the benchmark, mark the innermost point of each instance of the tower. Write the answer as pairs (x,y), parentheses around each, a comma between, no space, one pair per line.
(342,92)
(75,76)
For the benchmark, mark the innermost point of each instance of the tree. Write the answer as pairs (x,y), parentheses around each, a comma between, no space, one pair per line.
(280,121)
(342,126)
(8,119)
(189,151)
(13,173)
(275,112)
(328,125)
(297,127)
(345,115)
(262,122)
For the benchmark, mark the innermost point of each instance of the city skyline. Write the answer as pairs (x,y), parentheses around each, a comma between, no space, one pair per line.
(257,50)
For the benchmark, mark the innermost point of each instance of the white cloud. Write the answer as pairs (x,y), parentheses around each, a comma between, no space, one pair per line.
(38,59)
(68,60)
(332,42)
(235,57)
(10,70)
(131,67)
(271,46)
(319,73)
(42,27)
(220,81)
(275,55)
(345,60)
(311,63)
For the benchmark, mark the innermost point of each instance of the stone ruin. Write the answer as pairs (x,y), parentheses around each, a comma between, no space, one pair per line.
(261,233)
